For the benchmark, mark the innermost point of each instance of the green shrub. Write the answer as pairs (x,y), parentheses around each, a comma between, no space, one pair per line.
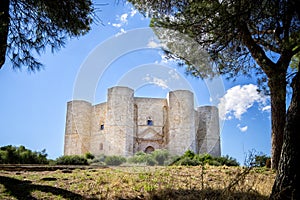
(151,161)
(98,160)
(139,158)
(20,155)
(114,160)
(71,160)
(187,161)
(192,159)
(227,160)
(157,157)
(262,160)
(88,155)
(160,156)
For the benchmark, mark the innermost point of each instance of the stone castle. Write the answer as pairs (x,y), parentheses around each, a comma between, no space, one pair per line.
(126,124)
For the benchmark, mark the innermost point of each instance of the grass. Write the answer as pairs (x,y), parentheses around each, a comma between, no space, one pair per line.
(139,182)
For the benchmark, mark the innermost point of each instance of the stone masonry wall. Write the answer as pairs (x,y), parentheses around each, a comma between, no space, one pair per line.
(181,122)
(120,125)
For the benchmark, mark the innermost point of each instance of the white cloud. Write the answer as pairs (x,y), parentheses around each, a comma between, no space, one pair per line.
(123,18)
(173,74)
(122,31)
(242,128)
(116,25)
(156,81)
(160,82)
(266,108)
(133,12)
(153,44)
(238,100)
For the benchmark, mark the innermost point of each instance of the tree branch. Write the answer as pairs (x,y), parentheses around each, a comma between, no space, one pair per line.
(4,26)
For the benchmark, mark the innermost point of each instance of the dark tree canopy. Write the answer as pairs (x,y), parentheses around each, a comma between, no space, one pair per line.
(29,27)
(242,37)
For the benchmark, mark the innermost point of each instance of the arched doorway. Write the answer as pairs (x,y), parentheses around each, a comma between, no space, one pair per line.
(149,149)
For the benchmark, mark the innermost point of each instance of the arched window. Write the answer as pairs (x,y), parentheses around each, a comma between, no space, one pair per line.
(101,146)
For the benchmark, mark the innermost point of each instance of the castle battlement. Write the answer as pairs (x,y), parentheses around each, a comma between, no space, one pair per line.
(126,124)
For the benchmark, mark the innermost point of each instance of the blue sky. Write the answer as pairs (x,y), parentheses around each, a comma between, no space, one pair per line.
(33,105)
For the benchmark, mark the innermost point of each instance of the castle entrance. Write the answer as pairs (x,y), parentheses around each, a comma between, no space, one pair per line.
(149,149)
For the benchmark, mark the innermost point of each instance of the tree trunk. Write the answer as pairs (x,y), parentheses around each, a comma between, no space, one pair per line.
(277,85)
(4,25)
(287,177)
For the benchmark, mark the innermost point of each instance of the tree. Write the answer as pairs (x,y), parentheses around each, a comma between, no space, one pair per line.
(246,37)
(241,37)
(286,180)
(29,27)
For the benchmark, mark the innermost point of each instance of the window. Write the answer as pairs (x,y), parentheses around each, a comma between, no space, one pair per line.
(149,122)
(102,127)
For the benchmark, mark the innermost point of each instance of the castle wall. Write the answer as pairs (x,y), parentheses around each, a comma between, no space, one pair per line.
(208,133)
(98,130)
(181,116)
(126,124)
(150,123)
(77,127)
(119,124)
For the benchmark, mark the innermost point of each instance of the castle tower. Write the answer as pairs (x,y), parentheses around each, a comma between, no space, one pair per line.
(119,124)
(181,135)
(208,133)
(78,127)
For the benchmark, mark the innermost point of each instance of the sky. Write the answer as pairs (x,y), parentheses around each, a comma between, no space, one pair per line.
(121,49)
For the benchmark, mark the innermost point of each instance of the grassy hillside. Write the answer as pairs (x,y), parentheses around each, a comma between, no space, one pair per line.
(139,182)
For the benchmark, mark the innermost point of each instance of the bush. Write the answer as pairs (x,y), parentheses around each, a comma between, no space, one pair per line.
(262,160)
(98,160)
(160,156)
(228,161)
(139,158)
(88,155)
(20,155)
(187,161)
(192,159)
(71,160)
(114,160)
(157,157)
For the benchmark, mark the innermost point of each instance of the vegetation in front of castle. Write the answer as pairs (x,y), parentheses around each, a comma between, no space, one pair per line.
(21,155)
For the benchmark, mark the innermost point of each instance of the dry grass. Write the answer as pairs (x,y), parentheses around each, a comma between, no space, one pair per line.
(176,182)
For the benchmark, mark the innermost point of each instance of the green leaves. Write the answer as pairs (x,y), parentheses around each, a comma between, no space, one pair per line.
(36,25)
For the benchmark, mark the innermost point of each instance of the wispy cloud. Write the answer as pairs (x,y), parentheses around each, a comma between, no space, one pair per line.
(156,81)
(122,31)
(153,44)
(242,128)
(173,74)
(239,99)
(122,20)
(266,108)
(133,12)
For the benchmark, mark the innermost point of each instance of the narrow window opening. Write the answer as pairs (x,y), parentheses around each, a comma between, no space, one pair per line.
(102,127)
(149,122)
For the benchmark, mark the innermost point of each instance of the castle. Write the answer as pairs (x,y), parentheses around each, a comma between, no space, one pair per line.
(126,124)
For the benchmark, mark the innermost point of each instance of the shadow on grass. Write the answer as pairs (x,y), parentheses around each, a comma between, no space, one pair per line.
(207,194)
(22,189)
